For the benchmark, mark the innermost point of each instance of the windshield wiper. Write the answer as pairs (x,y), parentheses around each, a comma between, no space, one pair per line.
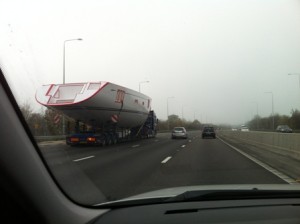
(212,195)
(132,202)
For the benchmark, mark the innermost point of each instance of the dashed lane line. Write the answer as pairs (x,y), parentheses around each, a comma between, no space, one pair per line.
(84,158)
(166,159)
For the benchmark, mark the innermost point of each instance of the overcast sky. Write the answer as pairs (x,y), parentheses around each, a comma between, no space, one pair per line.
(216,58)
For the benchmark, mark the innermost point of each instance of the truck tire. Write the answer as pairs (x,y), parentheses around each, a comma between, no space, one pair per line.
(114,140)
(108,140)
(104,142)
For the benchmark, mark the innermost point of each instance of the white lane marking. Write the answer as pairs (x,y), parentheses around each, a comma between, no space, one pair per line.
(88,157)
(166,159)
(52,143)
(182,146)
(134,146)
(156,140)
(267,167)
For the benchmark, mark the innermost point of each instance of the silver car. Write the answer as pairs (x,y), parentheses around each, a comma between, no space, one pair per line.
(284,129)
(179,132)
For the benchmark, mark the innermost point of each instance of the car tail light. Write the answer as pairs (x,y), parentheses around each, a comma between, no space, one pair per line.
(91,139)
(74,139)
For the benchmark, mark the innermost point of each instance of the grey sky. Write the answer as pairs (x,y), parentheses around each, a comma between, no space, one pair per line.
(217,58)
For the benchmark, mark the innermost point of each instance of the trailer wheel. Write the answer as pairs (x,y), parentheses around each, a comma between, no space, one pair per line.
(114,140)
(103,143)
(108,141)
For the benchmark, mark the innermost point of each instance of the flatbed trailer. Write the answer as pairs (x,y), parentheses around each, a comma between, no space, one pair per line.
(114,134)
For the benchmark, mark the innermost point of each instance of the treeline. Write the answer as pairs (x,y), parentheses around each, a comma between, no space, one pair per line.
(175,121)
(47,122)
(266,123)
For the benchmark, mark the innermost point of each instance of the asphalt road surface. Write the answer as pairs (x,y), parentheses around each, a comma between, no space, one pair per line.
(131,168)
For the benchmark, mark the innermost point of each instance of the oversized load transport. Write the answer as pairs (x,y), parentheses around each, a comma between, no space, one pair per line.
(105,106)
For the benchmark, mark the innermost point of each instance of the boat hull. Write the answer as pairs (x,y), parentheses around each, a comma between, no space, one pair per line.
(99,104)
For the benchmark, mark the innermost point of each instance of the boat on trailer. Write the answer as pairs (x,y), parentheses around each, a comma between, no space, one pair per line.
(98,104)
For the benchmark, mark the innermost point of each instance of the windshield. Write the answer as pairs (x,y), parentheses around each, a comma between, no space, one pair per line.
(102,84)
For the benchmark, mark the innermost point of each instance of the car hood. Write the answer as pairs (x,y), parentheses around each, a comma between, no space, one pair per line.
(173,192)
(170,192)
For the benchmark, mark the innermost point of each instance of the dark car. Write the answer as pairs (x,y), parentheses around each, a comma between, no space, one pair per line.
(208,132)
(284,129)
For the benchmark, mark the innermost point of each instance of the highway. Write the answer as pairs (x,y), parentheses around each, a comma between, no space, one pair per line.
(131,168)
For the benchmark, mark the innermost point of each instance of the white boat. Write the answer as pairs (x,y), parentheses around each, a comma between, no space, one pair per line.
(97,103)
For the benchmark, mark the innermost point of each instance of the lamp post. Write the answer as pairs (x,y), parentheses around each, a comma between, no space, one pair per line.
(256,114)
(64,74)
(272,108)
(171,97)
(296,74)
(141,83)
(64,56)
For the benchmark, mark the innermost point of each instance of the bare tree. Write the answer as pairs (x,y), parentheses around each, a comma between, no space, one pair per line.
(26,110)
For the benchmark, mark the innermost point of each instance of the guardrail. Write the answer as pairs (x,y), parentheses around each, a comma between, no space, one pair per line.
(49,138)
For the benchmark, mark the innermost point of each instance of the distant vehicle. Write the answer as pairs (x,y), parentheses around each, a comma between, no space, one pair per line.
(179,132)
(208,132)
(244,128)
(284,129)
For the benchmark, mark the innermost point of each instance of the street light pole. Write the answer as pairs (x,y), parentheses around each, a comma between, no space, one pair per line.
(296,74)
(171,97)
(256,114)
(64,57)
(141,83)
(272,109)
(64,75)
